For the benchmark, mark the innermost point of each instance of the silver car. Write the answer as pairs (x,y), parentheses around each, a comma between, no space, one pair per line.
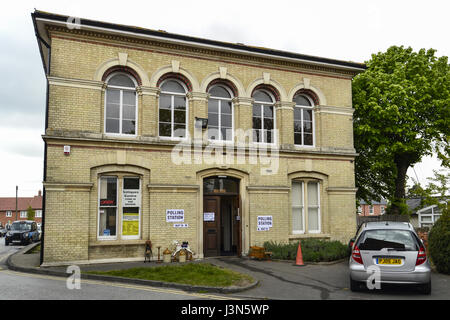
(388,252)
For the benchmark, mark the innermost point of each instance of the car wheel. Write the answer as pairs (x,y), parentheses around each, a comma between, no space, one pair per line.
(6,243)
(425,288)
(355,286)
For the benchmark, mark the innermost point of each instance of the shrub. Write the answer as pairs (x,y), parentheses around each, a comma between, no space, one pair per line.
(313,250)
(439,243)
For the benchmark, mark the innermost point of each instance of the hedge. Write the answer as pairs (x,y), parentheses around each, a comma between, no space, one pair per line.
(313,250)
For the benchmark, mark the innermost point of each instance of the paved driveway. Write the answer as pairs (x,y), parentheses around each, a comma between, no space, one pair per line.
(283,280)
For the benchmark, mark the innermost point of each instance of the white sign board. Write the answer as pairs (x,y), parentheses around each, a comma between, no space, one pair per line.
(180,225)
(264,223)
(175,215)
(131,198)
(208,216)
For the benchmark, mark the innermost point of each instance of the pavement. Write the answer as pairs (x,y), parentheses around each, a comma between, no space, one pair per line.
(274,279)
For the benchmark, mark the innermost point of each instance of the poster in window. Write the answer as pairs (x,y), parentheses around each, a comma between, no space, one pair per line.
(130,223)
(131,198)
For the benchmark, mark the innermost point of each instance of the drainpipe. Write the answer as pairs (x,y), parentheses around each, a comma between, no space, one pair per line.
(47,73)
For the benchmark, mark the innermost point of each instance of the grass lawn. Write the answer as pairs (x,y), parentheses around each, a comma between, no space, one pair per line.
(199,274)
(36,249)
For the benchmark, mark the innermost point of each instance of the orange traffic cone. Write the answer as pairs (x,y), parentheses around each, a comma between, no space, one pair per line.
(299,258)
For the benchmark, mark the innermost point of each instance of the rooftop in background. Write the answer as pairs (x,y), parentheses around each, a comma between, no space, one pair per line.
(381,202)
(9,204)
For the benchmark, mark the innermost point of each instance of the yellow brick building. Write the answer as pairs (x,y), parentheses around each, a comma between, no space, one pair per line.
(164,137)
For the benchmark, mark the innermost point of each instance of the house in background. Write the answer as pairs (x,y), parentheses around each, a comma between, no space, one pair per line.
(376,208)
(8,208)
(423,216)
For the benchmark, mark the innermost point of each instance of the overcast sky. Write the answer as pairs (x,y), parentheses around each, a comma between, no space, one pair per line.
(346,30)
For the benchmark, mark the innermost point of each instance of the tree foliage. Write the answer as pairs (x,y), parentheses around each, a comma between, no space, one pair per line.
(401,114)
(30,213)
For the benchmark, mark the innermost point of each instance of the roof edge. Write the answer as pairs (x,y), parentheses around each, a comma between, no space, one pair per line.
(356,67)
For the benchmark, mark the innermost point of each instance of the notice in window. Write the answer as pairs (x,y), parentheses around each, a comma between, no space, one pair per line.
(131,198)
(264,223)
(130,224)
(175,215)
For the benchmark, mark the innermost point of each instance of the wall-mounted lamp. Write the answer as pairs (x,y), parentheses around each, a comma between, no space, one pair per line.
(201,123)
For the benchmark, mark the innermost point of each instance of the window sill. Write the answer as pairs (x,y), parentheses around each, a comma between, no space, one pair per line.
(309,235)
(122,242)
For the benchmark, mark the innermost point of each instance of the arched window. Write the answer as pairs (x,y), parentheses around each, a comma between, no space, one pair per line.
(220,113)
(172,109)
(303,121)
(263,117)
(121,104)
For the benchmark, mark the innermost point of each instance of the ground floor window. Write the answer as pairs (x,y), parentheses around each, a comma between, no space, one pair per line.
(305,207)
(119,204)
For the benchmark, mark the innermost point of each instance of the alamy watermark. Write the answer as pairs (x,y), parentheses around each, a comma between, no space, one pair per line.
(374,279)
(74,280)
(239,150)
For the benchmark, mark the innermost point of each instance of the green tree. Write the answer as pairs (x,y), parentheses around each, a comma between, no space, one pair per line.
(30,213)
(401,114)
(435,192)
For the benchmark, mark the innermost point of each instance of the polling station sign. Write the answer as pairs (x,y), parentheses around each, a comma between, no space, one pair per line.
(264,223)
(175,215)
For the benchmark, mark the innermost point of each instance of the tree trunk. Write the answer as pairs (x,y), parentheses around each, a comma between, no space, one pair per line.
(400,183)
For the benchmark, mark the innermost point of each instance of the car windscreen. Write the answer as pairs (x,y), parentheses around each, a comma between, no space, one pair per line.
(402,240)
(21,227)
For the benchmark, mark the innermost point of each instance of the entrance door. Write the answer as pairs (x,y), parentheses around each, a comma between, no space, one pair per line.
(211,227)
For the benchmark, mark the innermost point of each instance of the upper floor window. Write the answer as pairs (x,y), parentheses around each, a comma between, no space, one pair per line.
(263,117)
(121,104)
(303,121)
(220,114)
(172,110)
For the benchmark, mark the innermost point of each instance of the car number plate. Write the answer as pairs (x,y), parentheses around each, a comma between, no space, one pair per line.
(16,241)
(389,261)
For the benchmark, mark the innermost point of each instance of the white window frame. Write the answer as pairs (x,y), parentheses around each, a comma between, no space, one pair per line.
(435,215)
(302,231)
(99,237)
(9,214)
(371,210)
(359,210)
(120,134)
(140,209)
(319,220)
(38,214)
(23,214)
(223,141)
(311,107)
(172,112)
(306,206)
(262,104)
(382,210)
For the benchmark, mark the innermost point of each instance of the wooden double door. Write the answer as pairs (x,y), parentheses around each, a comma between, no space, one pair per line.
(221,225)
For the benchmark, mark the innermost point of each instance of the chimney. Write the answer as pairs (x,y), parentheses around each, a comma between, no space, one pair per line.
(39,193)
